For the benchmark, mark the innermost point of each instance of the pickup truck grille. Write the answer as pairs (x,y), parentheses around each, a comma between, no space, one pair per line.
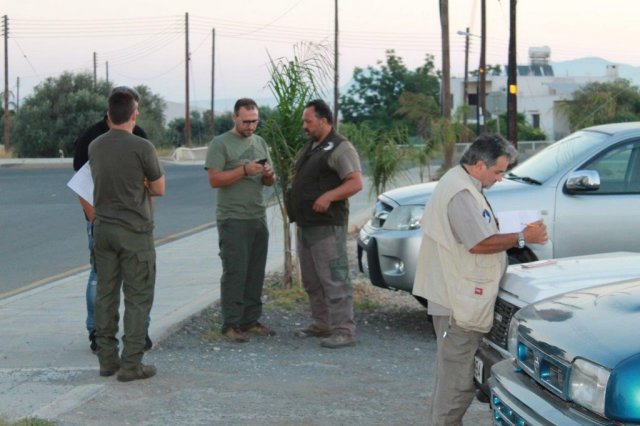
(543,368)
(502,316)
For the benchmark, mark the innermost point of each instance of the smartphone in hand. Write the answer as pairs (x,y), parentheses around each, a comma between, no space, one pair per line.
(263,161)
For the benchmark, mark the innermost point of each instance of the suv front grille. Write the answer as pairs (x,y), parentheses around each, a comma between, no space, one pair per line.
(501,318)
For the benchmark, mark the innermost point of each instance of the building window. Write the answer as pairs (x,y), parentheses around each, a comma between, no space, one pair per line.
(535,119)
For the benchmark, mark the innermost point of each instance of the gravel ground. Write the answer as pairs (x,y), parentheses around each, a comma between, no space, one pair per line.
(283,380)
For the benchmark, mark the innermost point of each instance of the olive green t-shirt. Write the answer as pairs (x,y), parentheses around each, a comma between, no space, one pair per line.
(243,199)
(120,162)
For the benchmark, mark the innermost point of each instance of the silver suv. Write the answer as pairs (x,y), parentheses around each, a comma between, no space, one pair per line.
(586,186)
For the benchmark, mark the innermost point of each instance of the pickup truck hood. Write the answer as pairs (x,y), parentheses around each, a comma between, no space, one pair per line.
(599,324)
(528,283)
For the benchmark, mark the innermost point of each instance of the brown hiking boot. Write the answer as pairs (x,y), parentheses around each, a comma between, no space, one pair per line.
(260,330)
(338,340)
(109,370)
(142,371)
(235,334)
(312,331)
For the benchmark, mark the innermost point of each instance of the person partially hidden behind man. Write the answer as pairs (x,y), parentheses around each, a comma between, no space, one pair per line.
(460,263)
(126,174)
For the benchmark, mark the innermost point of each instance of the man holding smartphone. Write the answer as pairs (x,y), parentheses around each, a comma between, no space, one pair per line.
(238,163)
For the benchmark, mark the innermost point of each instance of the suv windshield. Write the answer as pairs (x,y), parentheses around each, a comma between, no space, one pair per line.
(557,156)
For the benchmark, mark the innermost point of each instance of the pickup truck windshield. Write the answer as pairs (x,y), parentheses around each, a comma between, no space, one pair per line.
(559,156)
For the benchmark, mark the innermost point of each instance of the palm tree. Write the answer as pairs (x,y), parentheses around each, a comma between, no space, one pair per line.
(293,83)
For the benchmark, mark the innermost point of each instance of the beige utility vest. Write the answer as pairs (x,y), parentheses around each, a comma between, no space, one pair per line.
(447,273)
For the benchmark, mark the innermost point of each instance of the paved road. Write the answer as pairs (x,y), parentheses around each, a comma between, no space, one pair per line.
(42,232)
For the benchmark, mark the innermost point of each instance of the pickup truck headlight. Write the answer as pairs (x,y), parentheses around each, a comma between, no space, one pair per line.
(512,337)
(404,218)
(588,385)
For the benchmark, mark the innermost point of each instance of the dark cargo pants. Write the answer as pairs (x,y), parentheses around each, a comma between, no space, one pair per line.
(124,259)
(243,247)
(322,251)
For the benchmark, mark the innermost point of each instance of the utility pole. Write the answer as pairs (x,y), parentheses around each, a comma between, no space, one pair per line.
(95,71)
(336,77)
(512,79)
(213,81)
(17,95)
(5,135)
(106,66)
(187,112)
(446,62)
(465,91)
(482,74)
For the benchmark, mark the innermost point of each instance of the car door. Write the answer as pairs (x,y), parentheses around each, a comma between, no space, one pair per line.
(606,219)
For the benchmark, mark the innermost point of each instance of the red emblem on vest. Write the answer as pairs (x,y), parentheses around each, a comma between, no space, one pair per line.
(478,291)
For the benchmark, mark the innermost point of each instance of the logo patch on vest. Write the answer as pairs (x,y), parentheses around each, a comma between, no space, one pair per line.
(486,215)
(478,291)
(328,146)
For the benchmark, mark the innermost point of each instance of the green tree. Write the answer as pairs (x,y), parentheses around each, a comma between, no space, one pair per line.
(380,150)
(152,118)
(526,132)
(293,83)
(58,111)
(600,103)
(494,70)
(61,108)
(421,152)
(374,95)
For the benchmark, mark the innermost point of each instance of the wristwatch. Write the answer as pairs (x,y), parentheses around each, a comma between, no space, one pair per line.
(521,242)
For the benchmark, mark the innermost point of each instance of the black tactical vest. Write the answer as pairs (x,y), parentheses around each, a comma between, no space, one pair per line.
(313,178)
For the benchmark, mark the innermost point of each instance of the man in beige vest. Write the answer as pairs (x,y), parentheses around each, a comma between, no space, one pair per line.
(461,261)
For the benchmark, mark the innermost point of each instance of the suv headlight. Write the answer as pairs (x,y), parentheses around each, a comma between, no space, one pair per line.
(588,385)
(404,218)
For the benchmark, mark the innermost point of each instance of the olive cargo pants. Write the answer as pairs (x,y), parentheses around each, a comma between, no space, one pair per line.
(124,259)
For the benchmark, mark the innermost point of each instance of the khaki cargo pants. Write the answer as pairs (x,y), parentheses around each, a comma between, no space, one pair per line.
(324,267)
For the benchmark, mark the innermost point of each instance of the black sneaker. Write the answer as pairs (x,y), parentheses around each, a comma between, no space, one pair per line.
(93,345)
(148,344)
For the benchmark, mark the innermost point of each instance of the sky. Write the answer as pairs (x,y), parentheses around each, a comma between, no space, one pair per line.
(143,41)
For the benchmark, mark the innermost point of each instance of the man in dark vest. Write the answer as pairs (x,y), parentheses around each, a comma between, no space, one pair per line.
(327,174)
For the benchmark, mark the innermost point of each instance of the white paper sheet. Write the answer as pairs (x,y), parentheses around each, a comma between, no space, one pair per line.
(82,183)
(516,220)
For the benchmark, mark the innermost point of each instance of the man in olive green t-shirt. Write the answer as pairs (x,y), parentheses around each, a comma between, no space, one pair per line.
(126,173)
(238,163)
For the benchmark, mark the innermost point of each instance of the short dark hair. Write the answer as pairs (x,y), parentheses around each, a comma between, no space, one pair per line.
(246,103)
(126,89)
(322,109)
(122,105)
(488,148)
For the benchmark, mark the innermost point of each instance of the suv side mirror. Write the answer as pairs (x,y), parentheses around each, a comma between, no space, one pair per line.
(582,181)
